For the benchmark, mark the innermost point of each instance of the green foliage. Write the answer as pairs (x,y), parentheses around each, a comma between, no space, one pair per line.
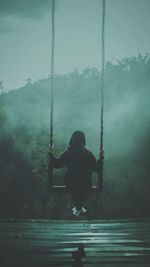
(24,139)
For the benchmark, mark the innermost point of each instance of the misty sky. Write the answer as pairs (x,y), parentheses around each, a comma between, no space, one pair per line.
(25,35)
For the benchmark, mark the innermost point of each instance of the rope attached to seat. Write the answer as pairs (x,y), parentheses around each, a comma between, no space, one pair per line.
(52,72)
(50,167)
(100,176)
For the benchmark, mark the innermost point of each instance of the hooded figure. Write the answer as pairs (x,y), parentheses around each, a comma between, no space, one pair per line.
(80,163)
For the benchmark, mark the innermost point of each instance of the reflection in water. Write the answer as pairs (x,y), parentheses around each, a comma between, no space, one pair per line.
(78,255)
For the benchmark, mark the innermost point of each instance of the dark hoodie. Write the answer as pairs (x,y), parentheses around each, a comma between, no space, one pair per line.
(80,162)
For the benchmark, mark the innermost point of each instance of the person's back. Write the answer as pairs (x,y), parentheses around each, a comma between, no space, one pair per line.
(80,164)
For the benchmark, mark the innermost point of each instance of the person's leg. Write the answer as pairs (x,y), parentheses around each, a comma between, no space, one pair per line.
(74,195)
(82,198)
(78,197)
(76,211)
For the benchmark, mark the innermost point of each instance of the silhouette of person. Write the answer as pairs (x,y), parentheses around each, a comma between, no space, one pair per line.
(80,163)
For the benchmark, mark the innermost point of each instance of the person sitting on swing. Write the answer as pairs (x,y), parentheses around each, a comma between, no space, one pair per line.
(80,163)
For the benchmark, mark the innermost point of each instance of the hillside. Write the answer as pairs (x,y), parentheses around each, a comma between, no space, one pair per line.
(24,138)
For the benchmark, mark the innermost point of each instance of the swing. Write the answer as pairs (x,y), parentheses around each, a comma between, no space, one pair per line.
(99,187)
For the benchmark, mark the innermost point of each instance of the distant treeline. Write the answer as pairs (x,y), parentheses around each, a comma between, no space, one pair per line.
(24,139)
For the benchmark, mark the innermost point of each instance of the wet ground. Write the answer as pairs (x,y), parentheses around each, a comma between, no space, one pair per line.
(115,243)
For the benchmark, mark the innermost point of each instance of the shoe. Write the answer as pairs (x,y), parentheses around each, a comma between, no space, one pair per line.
(73,210)
(83,210)
(76,212)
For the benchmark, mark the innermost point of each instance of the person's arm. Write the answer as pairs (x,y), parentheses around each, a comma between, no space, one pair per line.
(58,162)
(96,164)
(99,162)
(93,163)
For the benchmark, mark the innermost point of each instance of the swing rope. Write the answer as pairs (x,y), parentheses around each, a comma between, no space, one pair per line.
(52,73)
(50,167)
(102,78)
(101,155)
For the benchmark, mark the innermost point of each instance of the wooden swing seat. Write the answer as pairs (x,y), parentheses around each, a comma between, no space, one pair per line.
(63,188)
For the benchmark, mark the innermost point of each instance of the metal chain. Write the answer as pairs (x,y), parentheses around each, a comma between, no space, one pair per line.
(52,71)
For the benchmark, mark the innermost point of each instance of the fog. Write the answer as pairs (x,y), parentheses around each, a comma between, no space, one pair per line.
(25,127)
(25,109)
(77,105)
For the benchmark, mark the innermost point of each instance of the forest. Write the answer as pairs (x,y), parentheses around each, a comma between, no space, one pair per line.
(24,140)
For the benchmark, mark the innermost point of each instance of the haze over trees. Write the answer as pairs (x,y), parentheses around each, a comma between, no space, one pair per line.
(24,139)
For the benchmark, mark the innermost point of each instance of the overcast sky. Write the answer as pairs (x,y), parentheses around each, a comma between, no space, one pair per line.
(25,35)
